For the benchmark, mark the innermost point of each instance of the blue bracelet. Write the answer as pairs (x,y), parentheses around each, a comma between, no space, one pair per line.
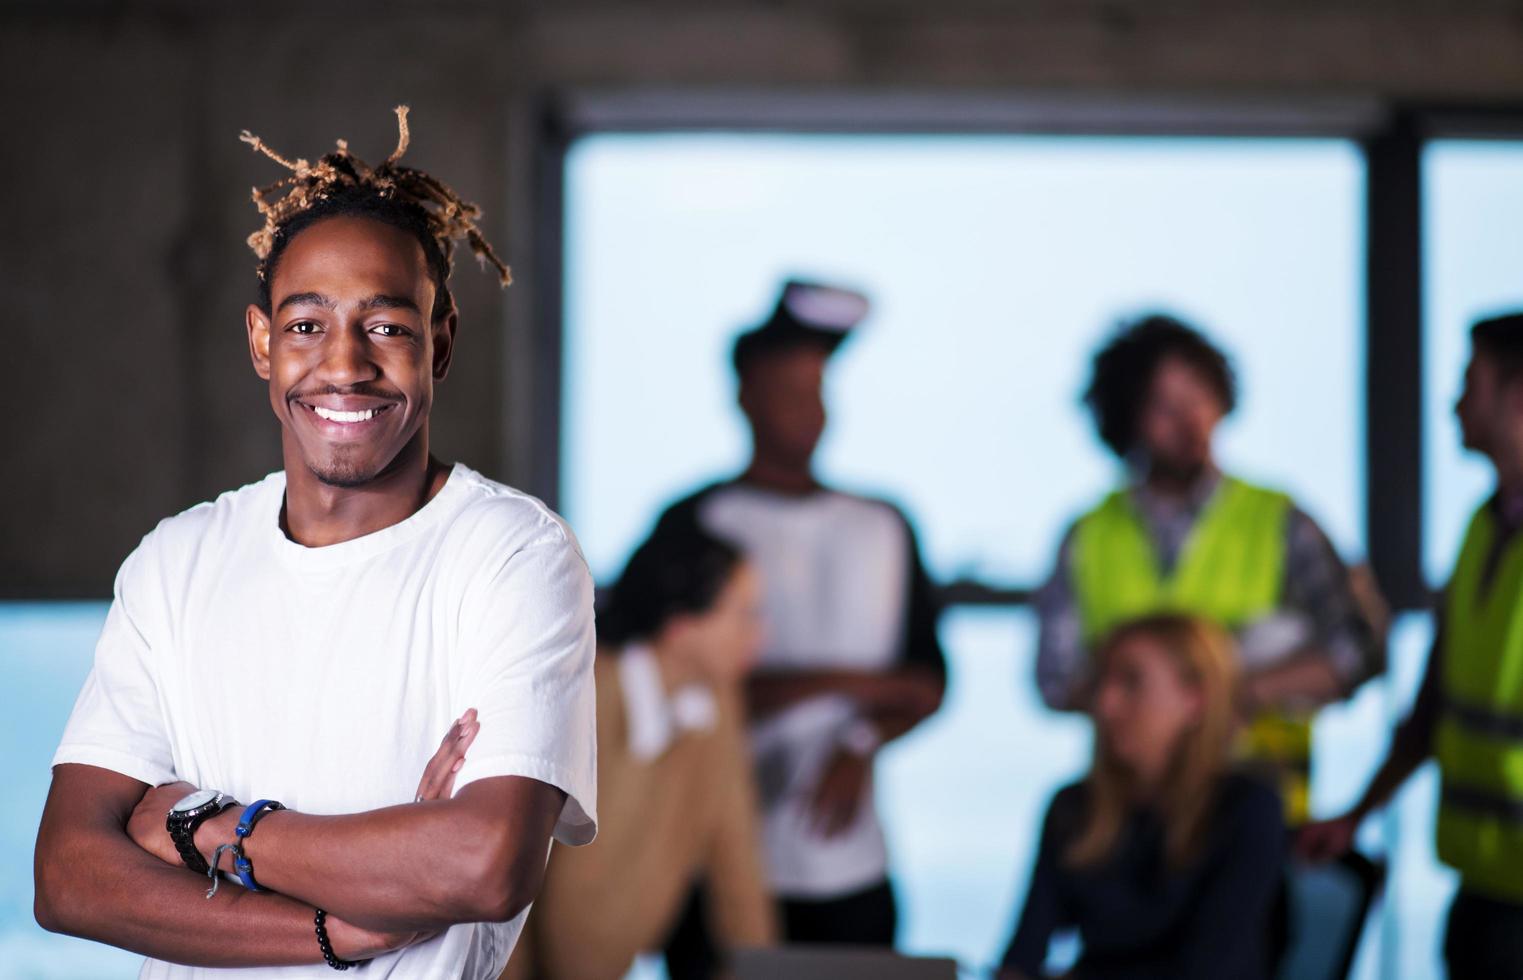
(251,815)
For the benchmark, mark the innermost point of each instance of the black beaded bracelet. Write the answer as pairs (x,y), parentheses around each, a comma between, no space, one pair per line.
(320,920)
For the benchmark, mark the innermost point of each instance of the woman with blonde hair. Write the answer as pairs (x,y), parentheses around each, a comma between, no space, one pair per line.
(1166,860)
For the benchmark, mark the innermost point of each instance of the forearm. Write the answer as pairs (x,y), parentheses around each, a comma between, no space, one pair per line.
(1305,680)
(1410,748)
(105,888)
(892,724)
(904,690)
(476,857)
(401,867)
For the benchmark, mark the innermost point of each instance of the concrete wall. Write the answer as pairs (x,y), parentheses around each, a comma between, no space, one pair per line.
(124,189)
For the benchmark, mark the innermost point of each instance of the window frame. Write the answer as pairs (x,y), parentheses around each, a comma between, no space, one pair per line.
(1391,137)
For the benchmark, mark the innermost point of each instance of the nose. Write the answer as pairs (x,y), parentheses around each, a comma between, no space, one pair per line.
(347,357)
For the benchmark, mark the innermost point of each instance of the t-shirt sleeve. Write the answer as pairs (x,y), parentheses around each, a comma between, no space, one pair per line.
(118,720)
(526,647)
(922,644)
(1063,661)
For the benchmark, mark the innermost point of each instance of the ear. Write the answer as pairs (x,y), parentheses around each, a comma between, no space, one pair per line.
(444,342)
(259,339)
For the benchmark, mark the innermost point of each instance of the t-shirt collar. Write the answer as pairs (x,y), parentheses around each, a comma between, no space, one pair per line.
(654,720)
(443,504)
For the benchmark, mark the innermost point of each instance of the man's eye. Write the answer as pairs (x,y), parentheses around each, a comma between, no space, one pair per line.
(303,326)
(391,330)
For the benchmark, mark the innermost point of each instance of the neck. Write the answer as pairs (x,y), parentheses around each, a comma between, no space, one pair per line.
(784,476)
(317,514)
(1145,782)
(1175,483)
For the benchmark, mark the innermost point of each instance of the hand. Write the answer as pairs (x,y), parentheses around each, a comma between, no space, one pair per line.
(1327,840)
(438,782)
(146,826)
(838,795)
(352,943)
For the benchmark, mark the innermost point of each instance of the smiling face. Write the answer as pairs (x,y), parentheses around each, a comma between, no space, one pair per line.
(348,348)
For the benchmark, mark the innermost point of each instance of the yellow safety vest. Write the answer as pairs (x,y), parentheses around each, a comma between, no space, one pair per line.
(1231,570)
(1479,741)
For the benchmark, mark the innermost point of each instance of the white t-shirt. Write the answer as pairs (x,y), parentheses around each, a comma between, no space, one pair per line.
(238,660)
(835,571)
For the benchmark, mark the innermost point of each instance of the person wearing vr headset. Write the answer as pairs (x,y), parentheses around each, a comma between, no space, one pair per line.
(852,658)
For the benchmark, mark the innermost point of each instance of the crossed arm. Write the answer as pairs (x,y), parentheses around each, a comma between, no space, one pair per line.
(106,869)
(893,701)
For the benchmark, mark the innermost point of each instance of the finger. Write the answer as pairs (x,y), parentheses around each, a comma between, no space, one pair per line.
(464,740)
(447,784)
(448,758)
(429,781)
(819,804)
(834,800)
(447,787)
(430,775)
(849,801)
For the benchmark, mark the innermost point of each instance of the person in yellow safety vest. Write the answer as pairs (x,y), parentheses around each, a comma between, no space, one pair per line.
(1468,713)
(1182,536)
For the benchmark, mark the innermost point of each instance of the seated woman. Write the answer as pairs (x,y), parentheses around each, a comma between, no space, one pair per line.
(675,795)
(1166,861)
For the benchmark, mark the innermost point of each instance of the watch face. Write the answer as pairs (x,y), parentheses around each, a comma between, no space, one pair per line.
(200,797)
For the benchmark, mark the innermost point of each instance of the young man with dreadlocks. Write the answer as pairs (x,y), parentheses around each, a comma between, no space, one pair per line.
(277,663)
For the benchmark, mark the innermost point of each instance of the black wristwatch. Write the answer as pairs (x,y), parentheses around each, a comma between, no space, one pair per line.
(188,814)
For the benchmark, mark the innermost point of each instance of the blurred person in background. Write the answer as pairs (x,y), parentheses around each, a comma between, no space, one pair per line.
(1166,860)
(1183,536)
(1468,713)
(852,659)
(680,630)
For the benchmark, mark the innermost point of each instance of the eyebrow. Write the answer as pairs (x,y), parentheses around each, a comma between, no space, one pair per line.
(380,301)
(307,299)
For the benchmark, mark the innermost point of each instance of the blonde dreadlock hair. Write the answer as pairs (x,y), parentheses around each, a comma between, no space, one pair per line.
(340,183)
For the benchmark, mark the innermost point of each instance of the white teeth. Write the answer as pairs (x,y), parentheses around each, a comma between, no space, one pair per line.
(332,416)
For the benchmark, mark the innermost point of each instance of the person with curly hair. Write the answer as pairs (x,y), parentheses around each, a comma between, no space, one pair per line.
(238,785)
(1182,536)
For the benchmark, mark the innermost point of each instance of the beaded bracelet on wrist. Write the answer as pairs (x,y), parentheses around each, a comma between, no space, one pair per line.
(320,920)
